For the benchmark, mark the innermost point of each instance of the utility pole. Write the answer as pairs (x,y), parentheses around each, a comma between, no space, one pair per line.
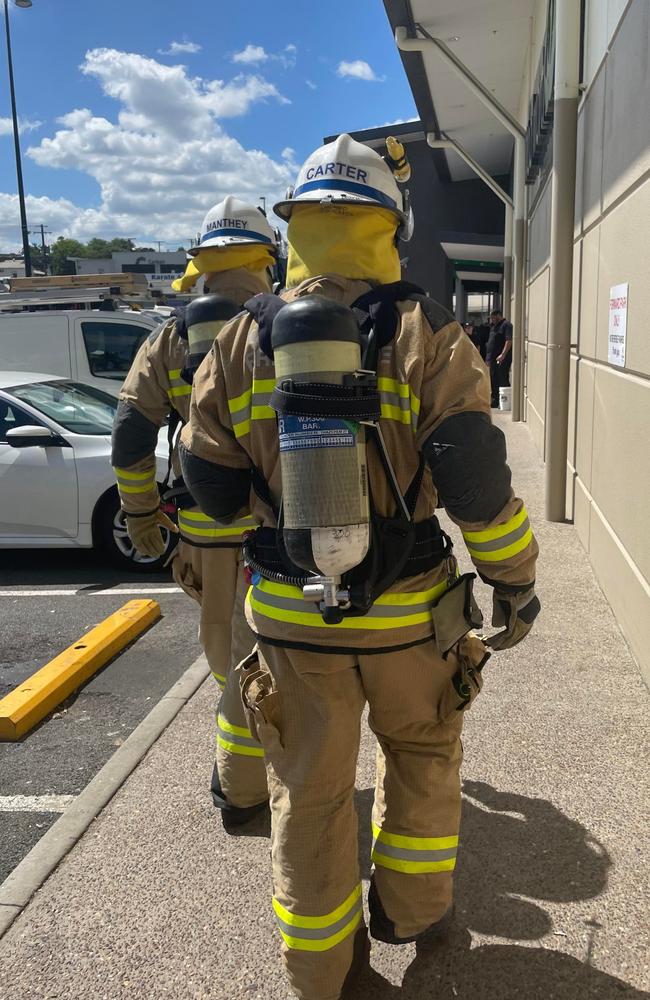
(43,230)
(19,170)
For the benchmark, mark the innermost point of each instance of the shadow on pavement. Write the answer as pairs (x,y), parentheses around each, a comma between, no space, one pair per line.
(496,972)
(512,846)
(39,567)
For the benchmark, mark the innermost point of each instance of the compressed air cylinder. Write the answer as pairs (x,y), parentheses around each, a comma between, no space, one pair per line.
(204,317)
(323,459)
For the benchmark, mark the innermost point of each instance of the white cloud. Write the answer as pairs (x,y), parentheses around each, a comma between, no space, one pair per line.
(178,48)
(162,161)
(24,125)
(251,54)
(359,69)
(288,153)
(255,54)
(311,84)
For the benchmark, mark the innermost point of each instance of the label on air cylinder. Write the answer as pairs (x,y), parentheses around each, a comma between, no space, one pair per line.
(302,433)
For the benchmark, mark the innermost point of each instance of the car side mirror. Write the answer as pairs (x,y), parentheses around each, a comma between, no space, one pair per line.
(33,436)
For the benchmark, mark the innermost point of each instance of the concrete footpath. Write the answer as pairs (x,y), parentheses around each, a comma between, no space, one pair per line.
(156,901)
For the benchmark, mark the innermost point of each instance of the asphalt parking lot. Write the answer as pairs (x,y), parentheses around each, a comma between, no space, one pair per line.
(48,599)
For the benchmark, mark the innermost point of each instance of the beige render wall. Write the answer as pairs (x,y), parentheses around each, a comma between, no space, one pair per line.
(608,493)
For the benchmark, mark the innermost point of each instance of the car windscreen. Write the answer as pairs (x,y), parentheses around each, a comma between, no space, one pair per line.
(82,409)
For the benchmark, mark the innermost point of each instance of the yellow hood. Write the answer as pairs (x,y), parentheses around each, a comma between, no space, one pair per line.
(213,259)
(355,242)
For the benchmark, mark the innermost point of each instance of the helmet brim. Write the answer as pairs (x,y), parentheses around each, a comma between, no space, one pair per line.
(221,242)
(283,209)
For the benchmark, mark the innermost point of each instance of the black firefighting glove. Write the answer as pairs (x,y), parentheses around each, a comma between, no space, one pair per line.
(516,612)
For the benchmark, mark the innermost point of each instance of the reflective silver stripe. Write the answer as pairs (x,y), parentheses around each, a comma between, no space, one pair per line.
(242,741)
(177,385)
(392,399)
(405,854)
(376,611)
(319,933)
(495,544)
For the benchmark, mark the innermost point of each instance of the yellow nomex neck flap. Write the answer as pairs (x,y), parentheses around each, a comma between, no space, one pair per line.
(252,258)
(354,242)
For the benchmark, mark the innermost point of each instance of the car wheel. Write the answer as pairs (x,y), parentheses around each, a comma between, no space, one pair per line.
(112,537)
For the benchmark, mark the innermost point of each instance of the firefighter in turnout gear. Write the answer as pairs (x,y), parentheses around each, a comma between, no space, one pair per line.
(235,254)
(358,405)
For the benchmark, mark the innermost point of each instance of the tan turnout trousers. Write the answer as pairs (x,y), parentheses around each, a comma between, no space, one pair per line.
(215,578)
(306,711)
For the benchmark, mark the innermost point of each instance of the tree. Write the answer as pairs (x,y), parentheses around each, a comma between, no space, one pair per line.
(121,246)
(63,248)
(39,262)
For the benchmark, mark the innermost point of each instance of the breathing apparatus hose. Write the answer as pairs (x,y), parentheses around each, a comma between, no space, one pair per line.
(264,571)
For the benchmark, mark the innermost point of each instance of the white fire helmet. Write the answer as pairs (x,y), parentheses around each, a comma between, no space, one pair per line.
(348,171)
(234,222)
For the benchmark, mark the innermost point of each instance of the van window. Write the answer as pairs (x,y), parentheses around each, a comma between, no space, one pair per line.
(111,347)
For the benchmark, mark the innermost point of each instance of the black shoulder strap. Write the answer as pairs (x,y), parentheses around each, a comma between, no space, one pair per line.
(264,308)
(179,316)
(172,425)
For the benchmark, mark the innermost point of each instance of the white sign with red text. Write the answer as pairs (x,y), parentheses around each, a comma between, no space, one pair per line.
(617,324)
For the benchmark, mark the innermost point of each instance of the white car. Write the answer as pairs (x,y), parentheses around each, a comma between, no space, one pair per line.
(56,481)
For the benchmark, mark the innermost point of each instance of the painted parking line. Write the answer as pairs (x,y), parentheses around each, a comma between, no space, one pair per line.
(133,591)
(35,803)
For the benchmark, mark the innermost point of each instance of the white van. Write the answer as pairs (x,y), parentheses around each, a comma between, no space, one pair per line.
(85,345)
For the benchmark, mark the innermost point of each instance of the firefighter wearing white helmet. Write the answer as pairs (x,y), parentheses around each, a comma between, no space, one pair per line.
(356,425)
(236,252)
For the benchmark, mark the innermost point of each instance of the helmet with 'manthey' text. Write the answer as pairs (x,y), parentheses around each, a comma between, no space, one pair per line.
(232,222)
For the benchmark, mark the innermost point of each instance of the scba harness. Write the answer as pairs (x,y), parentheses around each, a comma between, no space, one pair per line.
(333,413)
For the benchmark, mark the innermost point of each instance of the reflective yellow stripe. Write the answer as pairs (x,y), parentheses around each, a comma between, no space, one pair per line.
(295,920)
(392,385)
(196,524)
(490,534)
(262,413)
(242,429)
(394,413)
(137,476)
(174,373)
(259,385)
(505,553)
(238,748)
(320,933)
(415,867)
(240,402)
(136,489)
(181,390)
(373,621)
(220,679)
(235,730)
(414,843)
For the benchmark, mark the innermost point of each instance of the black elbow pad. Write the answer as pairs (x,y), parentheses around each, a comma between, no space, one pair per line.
(467,457)
(134,437)
(220,492)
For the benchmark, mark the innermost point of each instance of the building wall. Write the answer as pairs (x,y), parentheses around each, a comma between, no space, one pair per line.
(609,424)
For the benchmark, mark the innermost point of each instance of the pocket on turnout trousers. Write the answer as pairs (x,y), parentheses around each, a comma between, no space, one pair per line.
(184,576)
(459,693)
(261,702)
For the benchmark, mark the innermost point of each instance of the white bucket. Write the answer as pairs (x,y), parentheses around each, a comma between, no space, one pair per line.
(505,398)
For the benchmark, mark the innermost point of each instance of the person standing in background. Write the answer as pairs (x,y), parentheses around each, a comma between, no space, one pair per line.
(498,355)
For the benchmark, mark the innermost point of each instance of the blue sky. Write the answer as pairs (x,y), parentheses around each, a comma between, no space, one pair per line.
(139,115)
